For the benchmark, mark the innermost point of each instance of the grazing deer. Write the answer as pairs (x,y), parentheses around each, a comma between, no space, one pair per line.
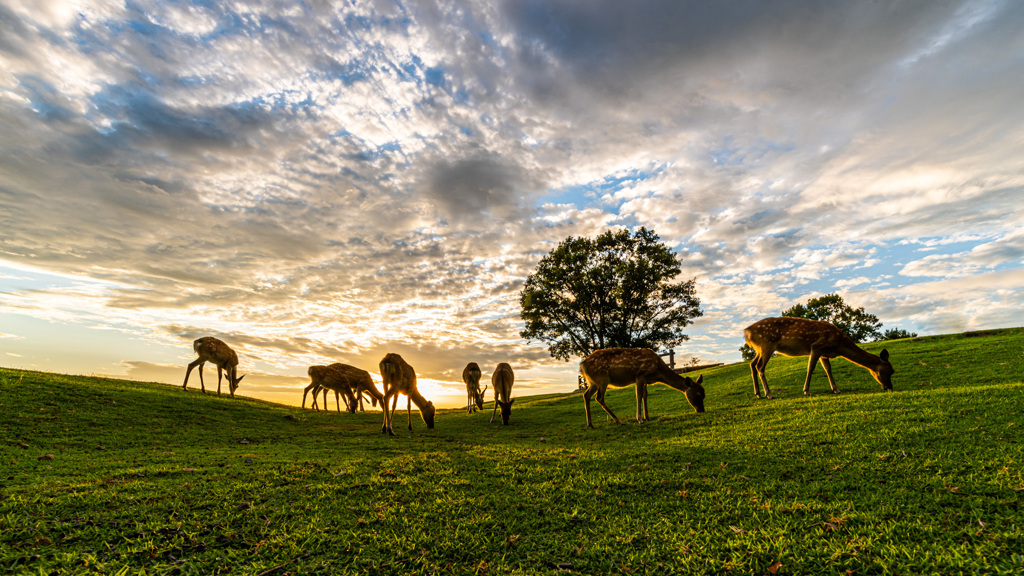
(620,367)
(400,378)
(335,377)
(501,381)
(359,381)
(223,357)
(814,338)
(471,376)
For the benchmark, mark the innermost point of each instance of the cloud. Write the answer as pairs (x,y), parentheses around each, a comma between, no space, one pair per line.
(332,181)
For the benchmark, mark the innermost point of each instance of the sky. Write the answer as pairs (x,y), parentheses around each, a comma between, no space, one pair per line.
(323,182)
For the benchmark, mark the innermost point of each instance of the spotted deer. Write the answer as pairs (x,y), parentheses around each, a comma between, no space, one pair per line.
(475,396)
(222,356)
(360,382)
(501,380)
(400,378)
(816,339)
(620,367)
(344,380)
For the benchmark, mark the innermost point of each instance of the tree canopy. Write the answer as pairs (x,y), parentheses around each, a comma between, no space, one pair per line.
(613,290)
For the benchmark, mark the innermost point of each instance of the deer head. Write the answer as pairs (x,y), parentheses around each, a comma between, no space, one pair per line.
(427,411)
(234,382)
(883,374)
(695,393)
(478,398)
(506,410)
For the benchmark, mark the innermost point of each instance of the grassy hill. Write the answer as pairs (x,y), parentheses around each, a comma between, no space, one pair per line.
(146,478)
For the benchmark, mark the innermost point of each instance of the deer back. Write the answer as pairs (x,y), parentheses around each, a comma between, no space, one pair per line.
(471,376)
(796,336)
(502,380)
(397,374)
(622,366)
(213,350)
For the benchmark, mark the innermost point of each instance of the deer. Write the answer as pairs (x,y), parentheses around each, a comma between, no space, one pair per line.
(359,382)
(819,340)
(400,378)
(335,377)
(223,357)
(620,367)
(501,381)
(471,376)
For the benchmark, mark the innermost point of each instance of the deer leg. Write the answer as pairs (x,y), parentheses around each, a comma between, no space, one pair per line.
(600,400)
(646,417)
(189,371)
(306,391)
(639,401)
(391,416)
(384,427)
(810,370)
(495,405)
(764,377)
(753,374)
(337,402)
(408,410)
(586,402)
(360,399)
(827,365)
(219,376)
(757,370)
(201,384)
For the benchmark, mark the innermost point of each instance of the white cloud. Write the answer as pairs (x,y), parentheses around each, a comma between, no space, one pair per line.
(332,181)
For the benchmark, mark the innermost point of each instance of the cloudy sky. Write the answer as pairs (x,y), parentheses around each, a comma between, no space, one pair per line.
(329,181)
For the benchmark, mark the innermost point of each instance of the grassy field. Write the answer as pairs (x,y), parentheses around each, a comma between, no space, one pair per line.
(119,477)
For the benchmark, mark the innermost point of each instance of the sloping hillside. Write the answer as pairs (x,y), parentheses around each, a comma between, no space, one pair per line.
(143,476)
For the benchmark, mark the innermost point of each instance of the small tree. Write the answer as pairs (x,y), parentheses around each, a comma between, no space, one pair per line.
(896,334)
(613,290)
(855,322)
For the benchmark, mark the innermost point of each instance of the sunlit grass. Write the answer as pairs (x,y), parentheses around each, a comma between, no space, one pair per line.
(148,478)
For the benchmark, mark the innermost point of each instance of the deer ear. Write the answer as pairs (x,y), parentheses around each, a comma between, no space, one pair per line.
(239,379)
(700,379)
(510,402)
(884,355)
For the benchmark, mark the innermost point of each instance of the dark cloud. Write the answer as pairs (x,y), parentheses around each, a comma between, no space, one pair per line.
(476,188)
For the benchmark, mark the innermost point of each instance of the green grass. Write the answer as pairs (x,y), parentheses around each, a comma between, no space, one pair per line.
(146,478)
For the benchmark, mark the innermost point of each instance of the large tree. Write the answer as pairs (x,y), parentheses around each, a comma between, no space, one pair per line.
(854,322)
(613,290)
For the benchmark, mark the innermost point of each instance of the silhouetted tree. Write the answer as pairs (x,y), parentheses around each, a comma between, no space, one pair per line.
(896,334)
(613,290)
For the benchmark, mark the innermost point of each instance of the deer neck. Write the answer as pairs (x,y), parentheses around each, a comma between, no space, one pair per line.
(669,378)
(376,395)
(417,398)
(861,357)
